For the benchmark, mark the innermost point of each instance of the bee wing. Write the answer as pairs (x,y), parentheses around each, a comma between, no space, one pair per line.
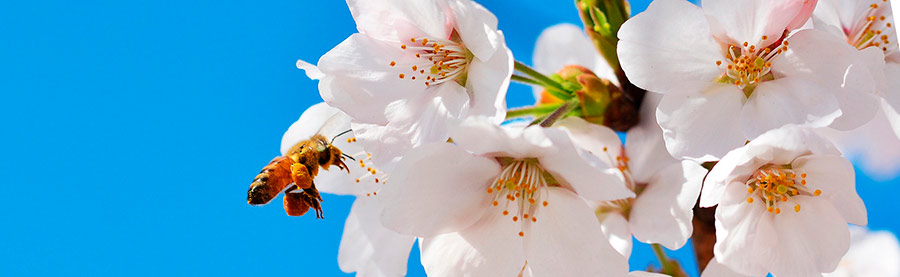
(336,124)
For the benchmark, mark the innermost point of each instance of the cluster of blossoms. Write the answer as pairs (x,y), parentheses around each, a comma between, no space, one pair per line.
(741,106)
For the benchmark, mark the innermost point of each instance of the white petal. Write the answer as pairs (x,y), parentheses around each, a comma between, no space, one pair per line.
(490,247)
(716,269)
(311,70)
(893,94)
(366,241)
(790,100)
(750,20)
(480,135)
(646,148)
(737,223)
(702,126)
(487,81)
(834,176)
(817,228)
(669,46)
(615,228)
(584,172)
(843,73)
(871,254)
(398,20)
(437,188)
(415,121)
(599,140)
(360,81)
(307,125)
(645,274)
(564,241)
(477,28)
(662,213)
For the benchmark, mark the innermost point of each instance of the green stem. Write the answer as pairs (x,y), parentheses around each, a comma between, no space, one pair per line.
(548,83)
(526,80)
(667,266)
(532,111)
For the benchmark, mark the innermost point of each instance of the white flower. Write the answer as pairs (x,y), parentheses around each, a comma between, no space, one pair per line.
(872,253)
(729,74)
(414,67)
(666,189)
(502,196)
(367,247)
(868,25)
(784,201)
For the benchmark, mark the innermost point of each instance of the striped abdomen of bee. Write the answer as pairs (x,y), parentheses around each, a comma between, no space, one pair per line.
(270,181)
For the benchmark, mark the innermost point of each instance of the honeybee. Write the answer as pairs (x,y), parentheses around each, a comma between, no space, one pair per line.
(294,172)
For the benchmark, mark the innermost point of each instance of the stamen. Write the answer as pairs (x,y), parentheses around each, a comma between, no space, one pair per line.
(777,184)
(520,184)
(437,60)
(747,65)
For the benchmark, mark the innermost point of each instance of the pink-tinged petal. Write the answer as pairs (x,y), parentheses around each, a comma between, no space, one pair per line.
(586,174)
(702,126)
(490,247)
(429,196)
(481,136)
(737,225)
(817,228)
(669,46)
(365,241)
(565,242)
(415,121)
(834,177)
(477,28)
(646,148)
(311,70)
(662,213)
(750,20)
(716,269)
(579,50)
(397,20)
(804,15)
(360,81)
(838,68)
(876,144)
(615,228)
(486,83)
(789,100)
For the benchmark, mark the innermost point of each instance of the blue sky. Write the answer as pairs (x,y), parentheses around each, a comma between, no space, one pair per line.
(133,128)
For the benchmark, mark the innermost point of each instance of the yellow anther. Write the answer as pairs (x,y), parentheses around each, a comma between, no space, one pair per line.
(797,208)
(817,192)
(749,199)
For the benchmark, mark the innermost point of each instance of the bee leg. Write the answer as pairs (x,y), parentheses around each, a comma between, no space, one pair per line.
(314,199)
(294,203)
(300,175)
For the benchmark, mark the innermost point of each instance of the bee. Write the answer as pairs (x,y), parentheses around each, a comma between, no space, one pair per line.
(294,172)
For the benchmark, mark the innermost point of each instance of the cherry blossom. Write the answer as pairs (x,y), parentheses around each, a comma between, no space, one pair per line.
(784,201)
(730,73)
(502,196)
(367,247)
(666,188)
(413,68)
(869,27)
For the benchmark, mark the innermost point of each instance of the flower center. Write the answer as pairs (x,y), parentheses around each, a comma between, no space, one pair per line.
(775,185)
(437,61)
(622,206)
(871,29)
(746,65)
(520,184)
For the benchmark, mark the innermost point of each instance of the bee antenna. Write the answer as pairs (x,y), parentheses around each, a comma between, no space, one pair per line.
(348,156)
(342,133)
